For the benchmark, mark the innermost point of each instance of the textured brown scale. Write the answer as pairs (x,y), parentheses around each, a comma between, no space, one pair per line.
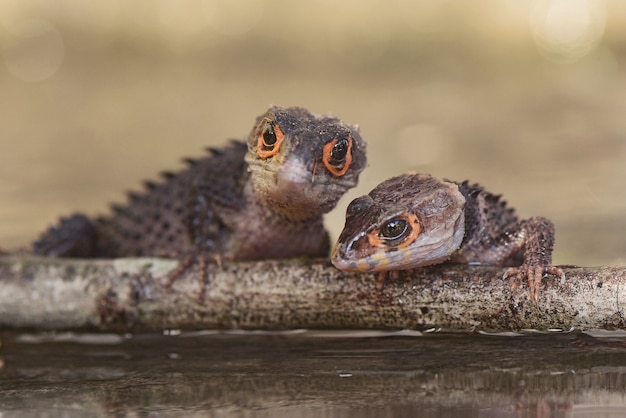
(232,203)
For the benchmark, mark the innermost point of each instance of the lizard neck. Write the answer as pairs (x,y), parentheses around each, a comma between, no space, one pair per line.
(263,231)
(270,208)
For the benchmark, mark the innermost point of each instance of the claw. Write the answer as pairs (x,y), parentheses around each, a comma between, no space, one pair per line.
(382,276)
(555,271)
(203,262)
(380,280)
(533,275)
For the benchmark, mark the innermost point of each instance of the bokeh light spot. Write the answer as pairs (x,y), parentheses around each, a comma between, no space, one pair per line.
(567,30)
(33,50)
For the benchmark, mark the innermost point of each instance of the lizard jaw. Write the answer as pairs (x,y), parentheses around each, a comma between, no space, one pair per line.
(293,189)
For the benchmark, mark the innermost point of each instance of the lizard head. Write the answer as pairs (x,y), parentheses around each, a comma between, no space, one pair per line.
(405,222)
(301,163)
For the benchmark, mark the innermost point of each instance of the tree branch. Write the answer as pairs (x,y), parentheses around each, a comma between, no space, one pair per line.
(132,295)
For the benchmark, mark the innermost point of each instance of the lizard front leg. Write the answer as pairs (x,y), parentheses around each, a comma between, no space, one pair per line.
(205,231)
(535,239)
(526,244)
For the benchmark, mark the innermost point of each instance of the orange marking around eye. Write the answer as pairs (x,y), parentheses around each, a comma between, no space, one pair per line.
(265,151)
(328,148)
(415,230)
(375,240)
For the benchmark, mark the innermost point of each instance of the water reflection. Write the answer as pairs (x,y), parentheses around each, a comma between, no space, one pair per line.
(304,374)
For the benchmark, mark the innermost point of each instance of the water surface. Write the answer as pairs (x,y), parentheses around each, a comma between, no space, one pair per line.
(301,374)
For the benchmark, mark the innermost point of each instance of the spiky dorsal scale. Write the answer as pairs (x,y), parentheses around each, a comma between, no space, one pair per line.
(486,215)
(158,221)
(168,175)
(150,185)
(190,162)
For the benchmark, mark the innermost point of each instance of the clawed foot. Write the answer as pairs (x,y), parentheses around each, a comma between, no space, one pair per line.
(533,275)
(382,276)
(197,262)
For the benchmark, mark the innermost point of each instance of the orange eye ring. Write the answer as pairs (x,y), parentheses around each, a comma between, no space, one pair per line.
(270,138)
(376,239)
(337,156)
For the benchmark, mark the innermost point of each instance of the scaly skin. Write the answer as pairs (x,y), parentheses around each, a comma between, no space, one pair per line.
(416,220)
(255,199)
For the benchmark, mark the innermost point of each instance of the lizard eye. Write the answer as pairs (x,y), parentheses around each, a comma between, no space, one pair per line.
(398,232)
(270,138)
(339,151)
(338,155)
(394,230)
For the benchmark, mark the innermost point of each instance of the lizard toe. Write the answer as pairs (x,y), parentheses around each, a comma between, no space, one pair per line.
(383,276)
(555,271)
(533,275)
(199,263)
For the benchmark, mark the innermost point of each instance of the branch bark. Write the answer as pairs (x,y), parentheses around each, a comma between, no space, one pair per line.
(132,295)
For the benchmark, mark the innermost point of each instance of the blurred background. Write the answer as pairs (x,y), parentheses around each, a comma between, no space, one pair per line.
(527,98)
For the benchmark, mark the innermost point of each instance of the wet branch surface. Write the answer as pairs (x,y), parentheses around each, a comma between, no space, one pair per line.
(132,295)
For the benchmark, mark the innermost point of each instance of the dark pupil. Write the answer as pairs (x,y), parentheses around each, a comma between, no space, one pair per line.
(269,135)
(394,229)
(338,154)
